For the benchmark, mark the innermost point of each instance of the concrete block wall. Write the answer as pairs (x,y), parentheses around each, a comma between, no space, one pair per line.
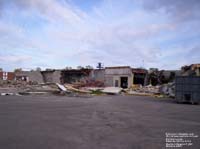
(97,75)
(110,80)
(113,74)
(32,76)
(35,76)
(51,76)
(56,76)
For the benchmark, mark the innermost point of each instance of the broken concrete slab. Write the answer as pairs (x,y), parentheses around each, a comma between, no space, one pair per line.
(93,88)
(61,87)
(71,88)
(112,90)
(139,93)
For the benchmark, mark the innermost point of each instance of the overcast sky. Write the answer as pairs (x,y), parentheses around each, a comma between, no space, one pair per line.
(59,33)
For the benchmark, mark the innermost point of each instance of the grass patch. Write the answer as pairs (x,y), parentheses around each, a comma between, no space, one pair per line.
(96,92)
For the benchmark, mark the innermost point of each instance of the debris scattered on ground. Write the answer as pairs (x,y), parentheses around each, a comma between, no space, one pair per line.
(144,90)
(112,90)
(73,89)
(168,89)
(61,87)
(79,88)
(87,83)
(156,91)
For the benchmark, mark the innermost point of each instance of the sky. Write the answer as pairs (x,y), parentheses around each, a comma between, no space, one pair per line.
(162,34)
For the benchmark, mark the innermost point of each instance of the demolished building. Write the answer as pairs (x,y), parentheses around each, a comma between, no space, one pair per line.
(29,76)
(75,75)
(51,76)
(191,70)
(119,76)
(158,77)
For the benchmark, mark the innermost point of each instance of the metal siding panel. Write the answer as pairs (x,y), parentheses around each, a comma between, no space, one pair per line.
(196,97)
(179,96)
(187,85)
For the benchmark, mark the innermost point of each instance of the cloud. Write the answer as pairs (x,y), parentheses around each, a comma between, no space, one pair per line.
(54,33)
(51,10)
(179,10)
(14,59)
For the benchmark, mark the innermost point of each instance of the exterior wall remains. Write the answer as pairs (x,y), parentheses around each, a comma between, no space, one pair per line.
(97,75)
(51,76)
(7,76)
(114,76)
(29,76)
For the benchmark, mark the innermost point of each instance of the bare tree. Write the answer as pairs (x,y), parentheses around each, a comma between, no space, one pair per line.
(68,68)
(80,67)
(18,70)
(88,67)
(38,69)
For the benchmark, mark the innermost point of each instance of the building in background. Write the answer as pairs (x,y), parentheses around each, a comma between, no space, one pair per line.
(9,76)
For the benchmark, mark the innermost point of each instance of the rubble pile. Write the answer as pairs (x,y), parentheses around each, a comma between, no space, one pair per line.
(26,88)
(41,89)
(148,90)
(168,89)
(87,83)
(12,87)
(72,88)
(157,91)
(112,90)
(89,87)
(32,88)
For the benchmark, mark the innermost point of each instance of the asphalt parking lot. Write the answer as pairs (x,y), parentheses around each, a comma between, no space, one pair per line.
(100,122)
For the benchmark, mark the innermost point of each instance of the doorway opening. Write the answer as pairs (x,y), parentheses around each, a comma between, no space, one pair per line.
(139,79)
(124,82)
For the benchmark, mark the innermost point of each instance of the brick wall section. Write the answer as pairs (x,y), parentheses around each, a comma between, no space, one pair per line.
(1,75)
(11,76)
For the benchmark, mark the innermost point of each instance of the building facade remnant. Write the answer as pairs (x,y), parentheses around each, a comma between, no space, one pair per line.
(121,76)
(75,75)
(9,76)
(51,76)
(191,70)
(29,76)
